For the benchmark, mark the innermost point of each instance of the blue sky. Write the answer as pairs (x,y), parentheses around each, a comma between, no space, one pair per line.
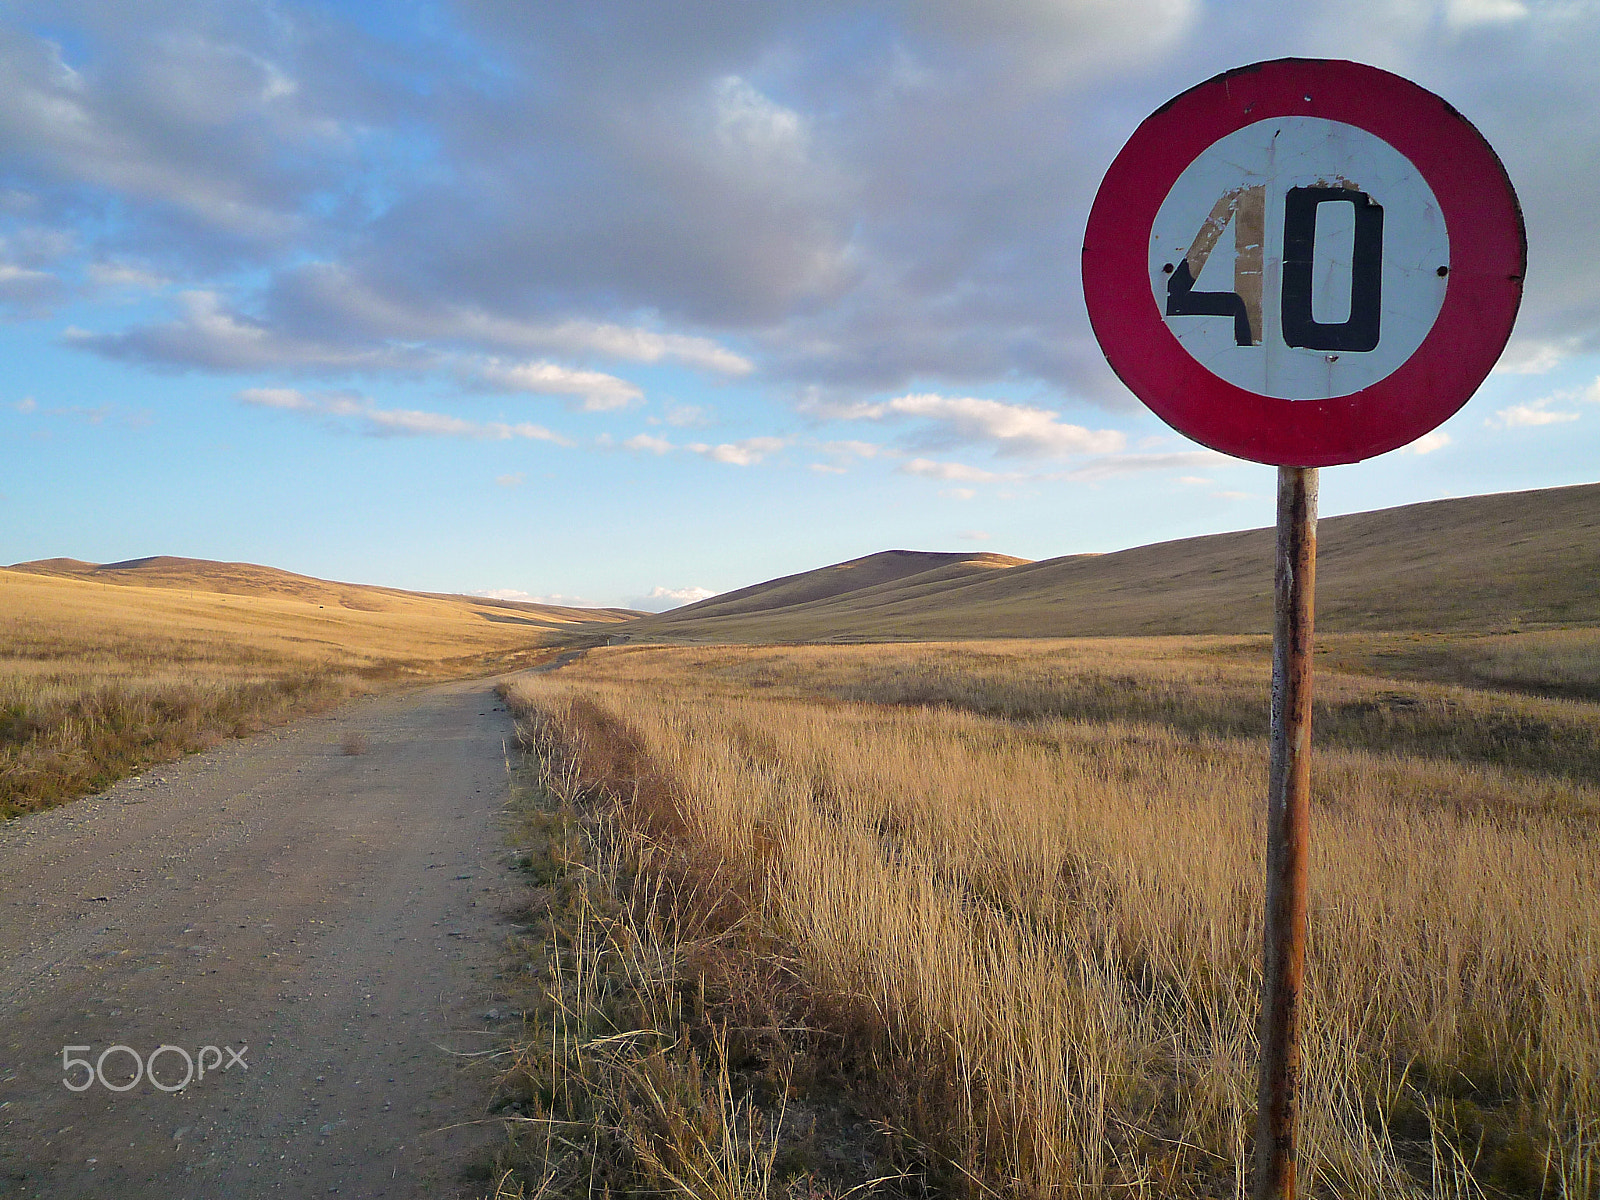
(624,304)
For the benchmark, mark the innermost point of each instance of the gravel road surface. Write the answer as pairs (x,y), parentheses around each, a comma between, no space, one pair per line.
(331,918)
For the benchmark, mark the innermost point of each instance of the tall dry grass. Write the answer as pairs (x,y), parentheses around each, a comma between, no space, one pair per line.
(73,723)
(1025,882)
(621,1087)
(99,680)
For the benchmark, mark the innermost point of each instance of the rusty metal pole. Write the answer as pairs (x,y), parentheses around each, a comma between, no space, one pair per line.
(1288,802)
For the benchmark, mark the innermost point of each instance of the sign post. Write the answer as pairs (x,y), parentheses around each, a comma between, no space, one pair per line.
(1303,263)
(1288,820)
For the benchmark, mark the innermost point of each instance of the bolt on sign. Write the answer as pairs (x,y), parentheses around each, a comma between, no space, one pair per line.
(1303,263)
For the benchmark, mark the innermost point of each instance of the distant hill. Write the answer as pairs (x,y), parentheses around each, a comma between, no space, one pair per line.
(248,579)
(1480,563)
(896,569)
(1515,559)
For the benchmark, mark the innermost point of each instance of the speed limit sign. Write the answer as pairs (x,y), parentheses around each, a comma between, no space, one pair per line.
(1304,262)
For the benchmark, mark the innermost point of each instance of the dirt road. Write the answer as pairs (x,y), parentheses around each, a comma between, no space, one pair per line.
(325,920)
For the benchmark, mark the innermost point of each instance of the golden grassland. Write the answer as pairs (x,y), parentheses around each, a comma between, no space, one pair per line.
(1005,899)
(100,679)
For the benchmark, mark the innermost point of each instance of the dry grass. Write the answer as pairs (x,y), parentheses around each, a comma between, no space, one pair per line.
(67,734)
(622,1086)
(1021,886)
(1545,662)
(98,680)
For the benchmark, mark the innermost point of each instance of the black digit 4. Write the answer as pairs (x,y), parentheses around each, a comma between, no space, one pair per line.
(1184,301)
(1245,209)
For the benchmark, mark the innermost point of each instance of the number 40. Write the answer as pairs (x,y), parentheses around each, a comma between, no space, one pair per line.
(1246,208)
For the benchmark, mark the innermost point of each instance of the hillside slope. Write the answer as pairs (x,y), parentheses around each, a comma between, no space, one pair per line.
(888,568)
(248,579)
(1515,559)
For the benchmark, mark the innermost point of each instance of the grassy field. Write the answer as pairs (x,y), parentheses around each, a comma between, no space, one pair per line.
(99,679)
(997,905)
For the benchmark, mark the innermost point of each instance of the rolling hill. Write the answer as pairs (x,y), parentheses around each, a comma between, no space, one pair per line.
(1513,560)
(1480,563)
(248,579)
(169,610)
(894,571)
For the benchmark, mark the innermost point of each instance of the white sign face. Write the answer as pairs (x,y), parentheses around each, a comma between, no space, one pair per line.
(1300,258)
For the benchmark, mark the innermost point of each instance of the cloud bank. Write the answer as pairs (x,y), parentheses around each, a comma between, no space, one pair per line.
(796,196)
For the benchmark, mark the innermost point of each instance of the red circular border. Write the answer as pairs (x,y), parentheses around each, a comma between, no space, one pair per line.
(1488,253)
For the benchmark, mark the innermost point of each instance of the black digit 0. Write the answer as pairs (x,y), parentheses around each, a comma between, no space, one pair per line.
(1360,331)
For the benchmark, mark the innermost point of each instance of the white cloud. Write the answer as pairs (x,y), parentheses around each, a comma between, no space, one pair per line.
(1540,411)
(641,345)
(410,422)
(285,398)
(683,415)
(84,414)
(1103,467)
(210,335)
(122,274)
(513,480)
(1428,443)
(660,599)
(752,126)
(1534,413)
(1048,45)
(648,442)
(364,308)
(1195,480)
(1128,464)
(1461,14)
(744,453)
(1012,429)
(393,422)
(845,453)
(958,493)
(1536,356)
(630,343)
(27,287)
(598,391)
(974,535)
(813,403)
(517,594)
(1233,495)
(930,469)
(855,449)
